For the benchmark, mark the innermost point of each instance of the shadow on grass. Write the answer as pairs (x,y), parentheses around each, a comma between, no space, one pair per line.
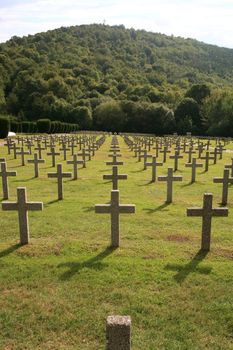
(188,184)
(52,202)
(148,183)
(93,263)
(89,209)
(26,180)
(10,250)
(160,207)
(184,270)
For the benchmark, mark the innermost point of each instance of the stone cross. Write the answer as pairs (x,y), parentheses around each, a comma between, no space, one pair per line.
(165,151)
(115,209)
(118,333)
(169,179)
(22,153)
(59,175)
(225,180)
(4,174)
(15,148)
(36,161)
(53,154)
(145,156)
(194,165)
(64,149)
(84,154)
(154,165)
(230,166)
(207,159)
(190,152)
(75,163)
(176,157)
(22,206)
(115,177)
(215,154)
(114,161)
(39,148)
(207,212)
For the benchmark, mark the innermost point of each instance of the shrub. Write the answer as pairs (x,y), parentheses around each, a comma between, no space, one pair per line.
(44,125)
(4,127)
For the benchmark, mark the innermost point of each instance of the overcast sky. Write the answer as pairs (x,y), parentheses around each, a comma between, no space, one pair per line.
(210,21)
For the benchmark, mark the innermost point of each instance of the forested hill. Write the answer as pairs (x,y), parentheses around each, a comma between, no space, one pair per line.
(52,74)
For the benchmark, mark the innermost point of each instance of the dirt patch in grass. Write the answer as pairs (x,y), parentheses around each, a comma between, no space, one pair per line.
(223,253)
(40,250)
(177,238)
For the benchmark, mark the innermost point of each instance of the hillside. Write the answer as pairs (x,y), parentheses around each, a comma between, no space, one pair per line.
(52,74)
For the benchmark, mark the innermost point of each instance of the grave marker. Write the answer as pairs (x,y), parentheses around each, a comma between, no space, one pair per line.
(4,175)
(59,175)
(169,179)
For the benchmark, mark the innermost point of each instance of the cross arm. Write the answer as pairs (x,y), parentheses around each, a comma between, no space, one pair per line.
(177,178)
(10,206)
(194,211)
(34,206)
(102,208)
(218,180)
(220,212)
(127,208)
(162,178)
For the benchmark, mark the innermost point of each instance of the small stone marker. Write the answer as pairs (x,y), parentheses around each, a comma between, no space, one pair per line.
(75,163)
(225,180)
(4,174)
(118,333)
(154,165)
(115,209)
(53,154)
(207,212)
(115,177)
(36,161)
(59,175)
(169,179)
(194,165)
(22,206)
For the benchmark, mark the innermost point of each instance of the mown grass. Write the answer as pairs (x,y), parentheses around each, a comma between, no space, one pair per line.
(56,292)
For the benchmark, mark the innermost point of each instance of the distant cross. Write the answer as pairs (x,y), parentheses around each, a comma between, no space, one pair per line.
(115,177)
(145,156)
(220,151)
(39,148)
(165,151)
(115,209)
(36,161)
(53,154)
(64,149)
(215,154)
(193,165)
(59,175)
(84,154)
(225,180)
(230,166)
(4,175)
(22,153)
(207,159)
(190,152)
(157,148)
(75,163)
(154,165)
(169,179)
(15,148)
(22,206)
(207,212)
(176,158)
(8,144)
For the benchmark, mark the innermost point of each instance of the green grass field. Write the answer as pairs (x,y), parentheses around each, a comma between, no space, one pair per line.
(56,292)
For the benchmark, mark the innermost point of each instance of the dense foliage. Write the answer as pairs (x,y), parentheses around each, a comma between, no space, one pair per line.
(4,127)
(114,79)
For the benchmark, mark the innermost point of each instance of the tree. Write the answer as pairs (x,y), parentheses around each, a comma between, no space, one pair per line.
(4,126)
(44,125)
(110,116)
(188,115)
(198,92)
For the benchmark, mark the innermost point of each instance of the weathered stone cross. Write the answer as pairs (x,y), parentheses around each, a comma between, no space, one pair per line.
(53,154)
(207,212)
(225,180)
(4,174)
(154,165)
(22,153)
(36,161)
(194,165)
(115,209)
(59,175)
(169,179)
(75,163)
(176,158)
(22,206)
(115,177)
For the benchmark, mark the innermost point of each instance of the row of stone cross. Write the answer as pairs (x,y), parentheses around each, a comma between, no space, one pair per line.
(22,206)
(115,208)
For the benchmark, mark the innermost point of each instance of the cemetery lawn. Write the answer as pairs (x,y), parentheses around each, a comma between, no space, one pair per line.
(56,292)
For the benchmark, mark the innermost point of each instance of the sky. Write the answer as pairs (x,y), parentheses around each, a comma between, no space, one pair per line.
(209,21)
